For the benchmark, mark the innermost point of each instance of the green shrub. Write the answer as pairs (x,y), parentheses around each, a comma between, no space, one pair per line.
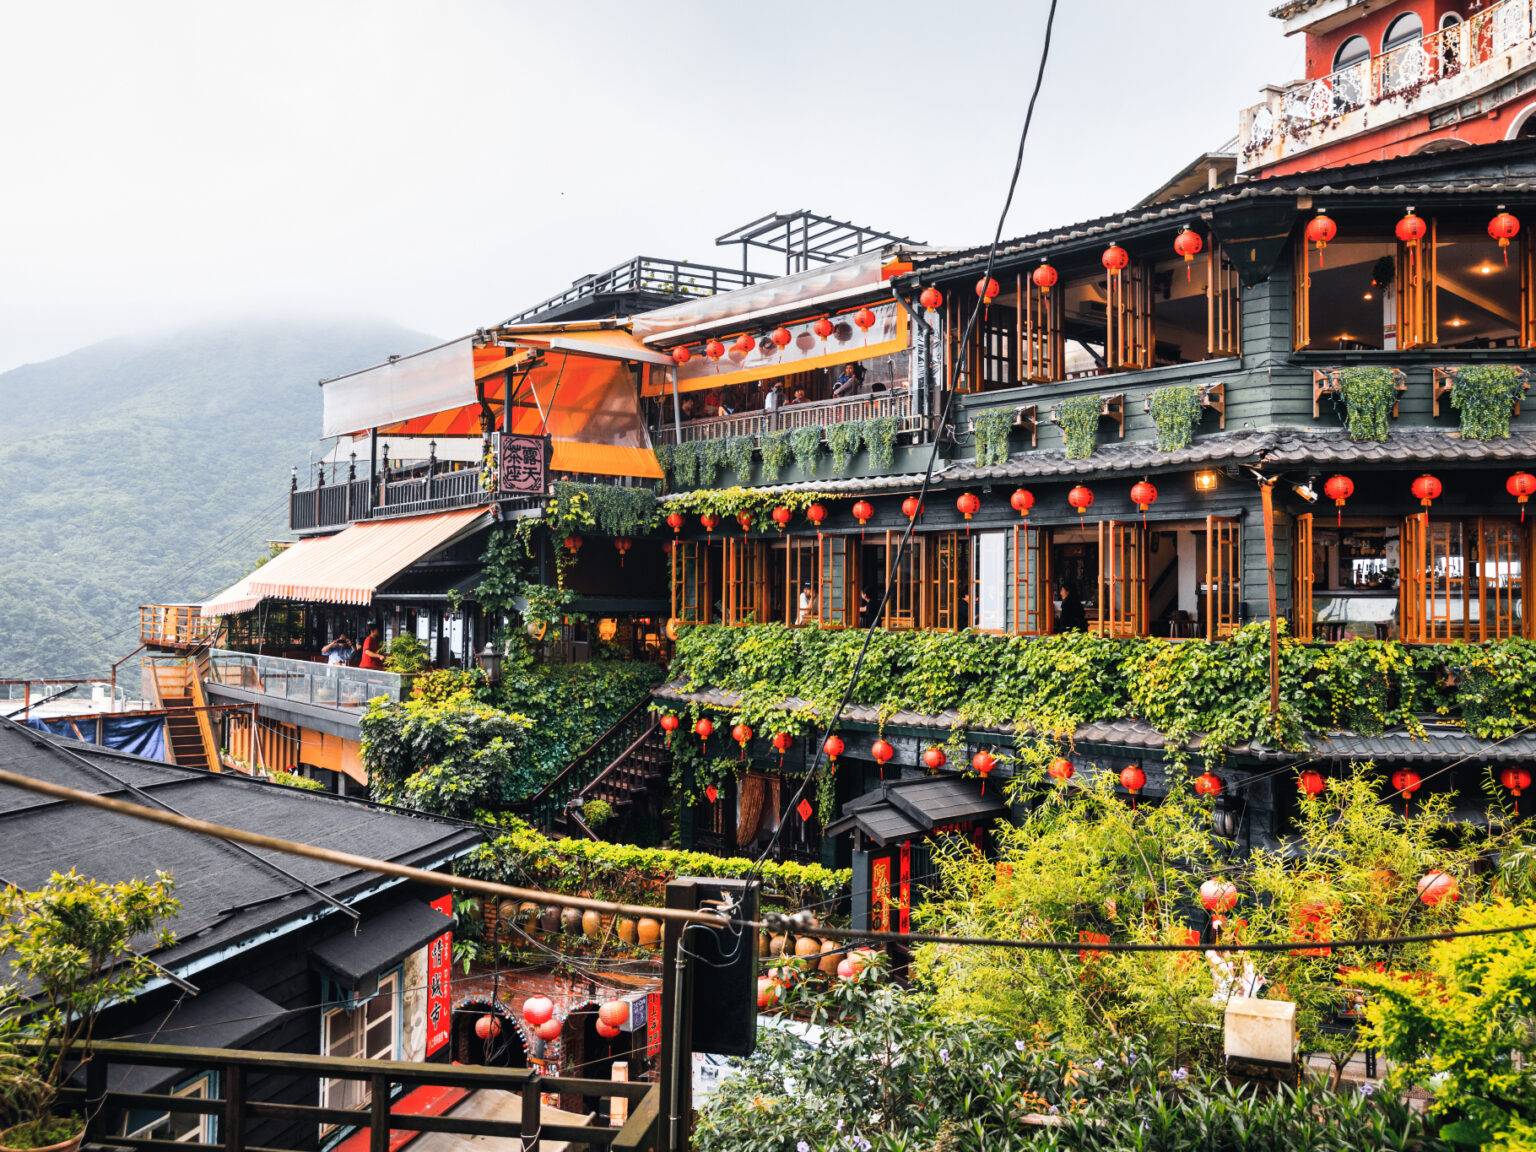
(1486,395)
(777,452)
(1368,394)
(1079,419)
(406,655)
(991,429)
(743,454)
(805,443)
(597,812)
(294,780)
(1176,415)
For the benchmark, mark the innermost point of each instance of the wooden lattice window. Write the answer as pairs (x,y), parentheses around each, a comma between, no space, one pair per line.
(1128,318)
(951,577)
(1301,579)
(1122,579)
(1418,267)
(690,582)
(744,580)
(1223,576)
(1042,344)
(801,576)
(837,602)
(1223,305)
(903,608)
(1462,579)
(1031,607)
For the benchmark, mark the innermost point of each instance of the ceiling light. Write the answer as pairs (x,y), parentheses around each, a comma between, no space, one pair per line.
(1486,269)
(1456,322)
(1369,295)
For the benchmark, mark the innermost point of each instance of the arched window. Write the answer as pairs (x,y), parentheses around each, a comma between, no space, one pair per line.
(1449,20)
(1352,51)
(1405,29)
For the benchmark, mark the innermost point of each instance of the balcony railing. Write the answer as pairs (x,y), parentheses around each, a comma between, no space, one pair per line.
(1313,112)
(338,504)
(650,276)
(820,413)
(304,681)
(175,625)
(247,1079)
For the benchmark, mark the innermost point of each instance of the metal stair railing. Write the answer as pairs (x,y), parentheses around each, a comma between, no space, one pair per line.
(588,765)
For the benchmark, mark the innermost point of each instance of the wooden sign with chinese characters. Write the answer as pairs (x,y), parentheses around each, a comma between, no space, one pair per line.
(880,893)
(439,982)
(521,463)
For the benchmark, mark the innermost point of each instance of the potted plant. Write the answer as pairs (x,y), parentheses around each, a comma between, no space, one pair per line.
(69,947)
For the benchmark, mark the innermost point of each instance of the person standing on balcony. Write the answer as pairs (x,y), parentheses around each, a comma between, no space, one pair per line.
(339,651)
(774,397)
(849,381)
(373,655)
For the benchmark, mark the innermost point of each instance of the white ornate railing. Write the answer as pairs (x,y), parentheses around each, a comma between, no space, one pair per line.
(819,413)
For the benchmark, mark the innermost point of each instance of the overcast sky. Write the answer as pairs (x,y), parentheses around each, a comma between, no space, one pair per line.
(444,164)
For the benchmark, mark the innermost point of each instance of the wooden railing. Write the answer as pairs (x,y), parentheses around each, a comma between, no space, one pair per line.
(819,413)
(545,805)
(237,1106)
(175,625)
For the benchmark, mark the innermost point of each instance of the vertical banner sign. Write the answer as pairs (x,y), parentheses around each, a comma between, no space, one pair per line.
(880,893)
(904,898)
(653,1025)
(439,979)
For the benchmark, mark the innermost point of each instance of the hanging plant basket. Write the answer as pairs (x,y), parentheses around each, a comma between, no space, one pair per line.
(1368,394)
(1176,413)
(1078,417)
(1485,395)
(991,430)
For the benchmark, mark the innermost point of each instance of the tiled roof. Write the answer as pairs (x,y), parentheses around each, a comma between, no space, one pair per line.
(1122,456)
(1404,446)
(909,481)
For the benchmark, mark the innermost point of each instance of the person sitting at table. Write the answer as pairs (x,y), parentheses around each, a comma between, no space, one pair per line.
(689,408)
(798,397)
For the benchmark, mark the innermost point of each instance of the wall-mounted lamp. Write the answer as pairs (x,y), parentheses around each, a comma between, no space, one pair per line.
(1206,480)
(1306,492)
(608,627)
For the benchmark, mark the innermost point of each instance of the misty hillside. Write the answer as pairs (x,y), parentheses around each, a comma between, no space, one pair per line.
(153,470)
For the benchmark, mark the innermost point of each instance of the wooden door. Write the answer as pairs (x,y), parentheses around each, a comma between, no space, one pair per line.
(837,601)
(1417,267)
(904,607)
(1128,318)
(949,582)
(1042,345)
(1500,579)
(1413,558)
(1223,312)
(690,582)
(1030,607)
(1122,579)
(1223,576)
(1302,616)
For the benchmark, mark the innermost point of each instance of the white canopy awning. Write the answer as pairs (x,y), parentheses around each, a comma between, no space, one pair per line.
(434,380)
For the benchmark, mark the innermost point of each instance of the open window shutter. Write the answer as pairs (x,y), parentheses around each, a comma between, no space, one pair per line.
(730,580)
(901,609)
(1410,584)
(1223,317)
(1030,608)
(1301,579)
(1223,576)
(948,582)
(690,593)
(1128,318)
(1301,322)
(1527,259)
(1416,270)
(1122,579)
(1042,344)
(836,582)
(1500,578)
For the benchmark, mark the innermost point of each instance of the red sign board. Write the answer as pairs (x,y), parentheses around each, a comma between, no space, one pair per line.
(439,983)
(653,1025)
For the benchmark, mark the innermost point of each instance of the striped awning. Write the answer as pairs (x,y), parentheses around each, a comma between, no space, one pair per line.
(349,567)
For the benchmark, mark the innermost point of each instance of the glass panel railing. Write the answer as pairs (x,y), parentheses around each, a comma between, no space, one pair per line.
(304,681)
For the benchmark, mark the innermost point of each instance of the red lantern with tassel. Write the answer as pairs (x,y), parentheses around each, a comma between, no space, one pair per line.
(864,318)
(983,763)
(934,758)
(1426,489)
(1081,498)
(1060,769)
(681,355)
(931,298)
(988,290)
(1517,780)
(744,518)
(911,507)
(1143,495)
(1312,783)
(816,513)
(669,724)
(573,543)
(833,746)
(823,327)
(1044,277)
(675,522)
(742,734)
(704,728)
(487,1027)
(1411,229)
(1132,778)
(863,511)
(710,521)
(622,544)
(781,336)
(781,743)
(1405,782)
(1115,259)
(1188,245)
(1339,489)
(1320,232)
(1504,227)
(968,504)
(1022,501)
(1521,485)
(781,517)
(714,349)
(881,752)
(1208,784)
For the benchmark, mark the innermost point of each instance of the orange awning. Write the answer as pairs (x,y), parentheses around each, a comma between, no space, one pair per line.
(604,459)
(349,567)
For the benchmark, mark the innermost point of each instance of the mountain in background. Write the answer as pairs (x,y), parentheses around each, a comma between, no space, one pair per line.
(154,470)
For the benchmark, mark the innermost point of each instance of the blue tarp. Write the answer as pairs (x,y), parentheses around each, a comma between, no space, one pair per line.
(139,735)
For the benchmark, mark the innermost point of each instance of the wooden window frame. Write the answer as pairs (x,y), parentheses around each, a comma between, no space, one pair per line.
(389,985)
(904,608)
(1038,322)
(1031,611)
(1223,305)
(1223,576)
(837,581)
(801,567)
(1425,603)
(1129,341)
(948,575)
(744,580)
(1303,616)
(690,580)
(1123,591)
(1417,296)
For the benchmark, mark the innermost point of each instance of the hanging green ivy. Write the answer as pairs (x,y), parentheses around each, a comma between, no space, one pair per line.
(1367,393)
(806,445)
(713,457)
(685,466)
(1079,420)
(605,508)
(776,456)
(879,436)
(1486,395)
(842,443)
(743,451)
(664,454)
(991,429)
(1176,414)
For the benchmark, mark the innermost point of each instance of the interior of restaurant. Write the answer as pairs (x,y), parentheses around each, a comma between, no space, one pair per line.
(872,376)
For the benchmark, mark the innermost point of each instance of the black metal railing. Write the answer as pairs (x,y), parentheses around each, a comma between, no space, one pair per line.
(652,276)
(544,807)
(328,505)
(432,492)
(237,1106)
(422,490)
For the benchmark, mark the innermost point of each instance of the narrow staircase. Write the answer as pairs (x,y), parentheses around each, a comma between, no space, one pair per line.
(635,784)
(183,732)
(189,733)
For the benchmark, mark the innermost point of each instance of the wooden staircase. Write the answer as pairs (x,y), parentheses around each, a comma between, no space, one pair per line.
(635,783)
(188,723)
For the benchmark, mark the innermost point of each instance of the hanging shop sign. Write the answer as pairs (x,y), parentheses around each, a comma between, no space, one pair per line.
(521,464)
(439,983)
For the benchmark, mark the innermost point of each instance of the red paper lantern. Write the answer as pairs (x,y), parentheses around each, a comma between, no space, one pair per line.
(487,1027)
(1022,501)
(1504,227)
(1339,489)
(1115,259)
(983,763)
(1218,896)
(669,723)
(988,289)
(1188,245)
(934,758)
(622,544)
(1060,769)
(911,507)
(863,510)
(714,349)
(969,504)
(846,969)
(1208,784)
(550,1030)
(864,318)
(573,544)
(1132,778)
(781,742)
(1426,489)
(768,990)
(1081,498)
(681,355)
(1435,887)
(744,518)
(745,344)
(704,728)
(1411,229)
(711,793)
(781,336)
(881,752)
(1312,783)
(606,1031)
(675,522)
(816,513)
(931,298)
(1517,780)
(1406,782)
(823,327)
(615,1014)
(781,516)
(1521,485)
(710,521)
(1143,495)
(1044,277)
(1320,232)
(742,734)
(833,746)
(538,1009)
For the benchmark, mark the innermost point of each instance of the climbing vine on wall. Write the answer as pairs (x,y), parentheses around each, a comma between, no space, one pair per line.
(713,457)
(776,456)
(879,436)
(1367,393)
(1486,395)
(806,445)
(842,443)
(1176,414)
(991,429)
(743,451)
(685,466)
(728,503)
(1079,420)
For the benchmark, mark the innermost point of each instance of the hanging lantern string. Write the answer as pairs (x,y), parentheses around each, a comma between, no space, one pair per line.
(956,377)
